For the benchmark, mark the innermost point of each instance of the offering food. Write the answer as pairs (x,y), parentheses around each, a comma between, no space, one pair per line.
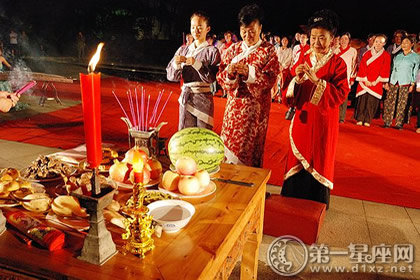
(45,167)
(187,180)
(114,206)
(10,181)
(80,183)
(203,145)
(186,166)
(136,167)
(151,196)
(36,202)
(66,205)
(108,157)
(9,174)
(170,180)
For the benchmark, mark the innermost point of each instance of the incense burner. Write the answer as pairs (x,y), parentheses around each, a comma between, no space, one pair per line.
(147,139)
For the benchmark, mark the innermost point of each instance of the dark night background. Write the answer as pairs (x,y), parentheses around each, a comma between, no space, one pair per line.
(149,31)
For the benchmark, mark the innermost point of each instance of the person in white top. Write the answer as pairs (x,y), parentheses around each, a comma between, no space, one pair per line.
(295,40)
(302,47)
(349,55)
(336,44)
(284,53)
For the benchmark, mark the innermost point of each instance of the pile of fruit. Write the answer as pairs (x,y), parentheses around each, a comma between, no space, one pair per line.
(186,179)
(136,167)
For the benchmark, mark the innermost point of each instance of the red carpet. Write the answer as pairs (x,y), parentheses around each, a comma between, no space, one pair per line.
(373,163)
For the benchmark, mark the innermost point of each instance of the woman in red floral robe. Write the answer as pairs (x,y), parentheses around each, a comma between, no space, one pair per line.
(247,73)
(319,87)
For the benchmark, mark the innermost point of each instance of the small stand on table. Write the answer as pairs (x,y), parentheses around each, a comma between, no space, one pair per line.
(98,246)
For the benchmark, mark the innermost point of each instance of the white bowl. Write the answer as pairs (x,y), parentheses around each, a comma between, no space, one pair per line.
(172,214)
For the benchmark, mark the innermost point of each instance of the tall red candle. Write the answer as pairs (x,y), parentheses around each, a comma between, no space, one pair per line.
(90,86)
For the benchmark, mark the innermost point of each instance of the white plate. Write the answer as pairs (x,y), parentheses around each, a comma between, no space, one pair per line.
(209,190)
(211,173)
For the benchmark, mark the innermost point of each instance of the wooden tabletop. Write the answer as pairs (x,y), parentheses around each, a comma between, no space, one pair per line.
(196,252)
(42,77)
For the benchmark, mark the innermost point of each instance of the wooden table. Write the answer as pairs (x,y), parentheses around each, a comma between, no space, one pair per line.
(221,231)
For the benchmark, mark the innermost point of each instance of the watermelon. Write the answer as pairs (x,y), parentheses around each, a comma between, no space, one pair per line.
(203,145)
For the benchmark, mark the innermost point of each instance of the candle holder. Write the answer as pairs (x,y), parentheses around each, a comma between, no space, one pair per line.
(147,139)
(2,222)
(139,227)
(98,246)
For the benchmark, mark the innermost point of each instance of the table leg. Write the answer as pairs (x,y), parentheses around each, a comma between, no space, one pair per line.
(44,93)
(249,264)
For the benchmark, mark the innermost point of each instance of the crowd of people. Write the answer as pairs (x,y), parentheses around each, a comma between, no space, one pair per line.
(378,86)
(313,76)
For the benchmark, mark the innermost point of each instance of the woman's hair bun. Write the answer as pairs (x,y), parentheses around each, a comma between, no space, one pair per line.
(325,19)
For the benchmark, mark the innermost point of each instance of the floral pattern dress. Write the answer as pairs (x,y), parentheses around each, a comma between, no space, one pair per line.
(245,120)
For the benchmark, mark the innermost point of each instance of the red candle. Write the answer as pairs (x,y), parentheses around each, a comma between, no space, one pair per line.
(90,86)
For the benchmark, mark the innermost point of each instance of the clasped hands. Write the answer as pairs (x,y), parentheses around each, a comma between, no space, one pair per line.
(182,59)
(371,84)
(304,69)
(238,69)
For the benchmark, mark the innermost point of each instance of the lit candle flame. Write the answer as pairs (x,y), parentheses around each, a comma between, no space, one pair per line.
(95,58)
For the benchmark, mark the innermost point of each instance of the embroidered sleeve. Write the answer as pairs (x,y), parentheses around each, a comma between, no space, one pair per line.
(319,91)
(266,74)
(251,75)
(222,76)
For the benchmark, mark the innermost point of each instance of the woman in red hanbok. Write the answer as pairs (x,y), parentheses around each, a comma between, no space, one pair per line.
(247,73)
(319,87)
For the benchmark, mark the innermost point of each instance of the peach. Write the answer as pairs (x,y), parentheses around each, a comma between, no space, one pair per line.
(189,185)
(186,166)
(203,177)
(156,168)
(118,171)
